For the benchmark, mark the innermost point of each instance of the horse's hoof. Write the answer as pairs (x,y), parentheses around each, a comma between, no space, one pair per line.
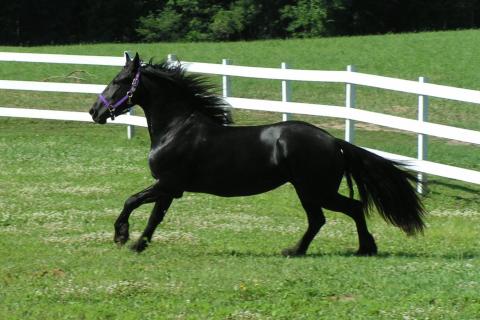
(139,246)
(120,239)
(366,252)
(121,234)
(292,252)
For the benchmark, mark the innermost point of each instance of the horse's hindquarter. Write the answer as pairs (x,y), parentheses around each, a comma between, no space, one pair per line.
(313,157)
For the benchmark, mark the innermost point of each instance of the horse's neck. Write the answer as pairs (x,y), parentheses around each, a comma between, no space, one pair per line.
(161,124)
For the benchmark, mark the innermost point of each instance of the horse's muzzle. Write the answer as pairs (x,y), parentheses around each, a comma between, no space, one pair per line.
(96,117)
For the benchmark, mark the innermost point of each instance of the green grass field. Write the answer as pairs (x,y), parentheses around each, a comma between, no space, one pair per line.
(62,185)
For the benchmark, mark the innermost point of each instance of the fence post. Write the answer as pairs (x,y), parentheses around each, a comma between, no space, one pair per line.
(130,128)
(286,93)
(172,58)
(131,112)
(422,145)
(226,81)
(350,103)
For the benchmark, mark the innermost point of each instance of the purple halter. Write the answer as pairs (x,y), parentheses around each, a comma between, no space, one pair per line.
(128,96)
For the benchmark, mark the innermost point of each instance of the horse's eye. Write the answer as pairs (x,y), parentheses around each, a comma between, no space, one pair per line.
(120,80)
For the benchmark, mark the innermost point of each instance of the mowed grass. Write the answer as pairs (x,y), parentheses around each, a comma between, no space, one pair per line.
(62,184)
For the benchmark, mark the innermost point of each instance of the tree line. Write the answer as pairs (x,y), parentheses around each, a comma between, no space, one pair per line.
(35,22)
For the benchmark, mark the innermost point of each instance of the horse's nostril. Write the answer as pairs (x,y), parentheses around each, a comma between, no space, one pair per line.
(93,113)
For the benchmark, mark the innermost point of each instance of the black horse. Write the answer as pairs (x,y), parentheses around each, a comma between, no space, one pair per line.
(193,149)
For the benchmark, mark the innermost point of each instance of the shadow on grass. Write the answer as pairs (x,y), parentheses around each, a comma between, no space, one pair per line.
(454,186)
(352,254)
(384,255)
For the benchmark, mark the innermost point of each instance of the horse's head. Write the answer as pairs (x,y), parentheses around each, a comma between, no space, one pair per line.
(118,96)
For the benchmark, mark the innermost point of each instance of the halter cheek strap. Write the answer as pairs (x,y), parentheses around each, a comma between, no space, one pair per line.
(128,97)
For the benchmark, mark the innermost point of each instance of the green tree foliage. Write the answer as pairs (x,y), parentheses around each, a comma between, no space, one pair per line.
(179,20)
(199,20)
(164,25)
(306,18)
(232,23)
(29,22)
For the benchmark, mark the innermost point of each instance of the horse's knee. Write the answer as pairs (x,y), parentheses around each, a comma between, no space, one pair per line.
(130,204)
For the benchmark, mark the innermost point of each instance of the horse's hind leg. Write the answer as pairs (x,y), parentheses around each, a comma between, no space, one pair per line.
(148,195)
(353,209)
(157,215)
(316,219)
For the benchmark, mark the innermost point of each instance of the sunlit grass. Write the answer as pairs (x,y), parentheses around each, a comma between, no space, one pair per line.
(63,185)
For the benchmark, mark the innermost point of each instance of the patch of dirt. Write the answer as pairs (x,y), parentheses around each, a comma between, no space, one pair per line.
(342,298)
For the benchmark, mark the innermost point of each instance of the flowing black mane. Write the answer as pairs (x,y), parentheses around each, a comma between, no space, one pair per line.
(196,88)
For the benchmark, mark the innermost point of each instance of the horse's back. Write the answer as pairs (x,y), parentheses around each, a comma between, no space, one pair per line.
(294,151)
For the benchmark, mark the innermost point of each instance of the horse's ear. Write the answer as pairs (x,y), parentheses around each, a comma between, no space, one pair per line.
(127,57)
(136,61)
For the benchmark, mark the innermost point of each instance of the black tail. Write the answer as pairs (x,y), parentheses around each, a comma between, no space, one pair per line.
(380,182)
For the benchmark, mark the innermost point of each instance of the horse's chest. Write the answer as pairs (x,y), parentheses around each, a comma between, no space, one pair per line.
(164,158)
(158,157)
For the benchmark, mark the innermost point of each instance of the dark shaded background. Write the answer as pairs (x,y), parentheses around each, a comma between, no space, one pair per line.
(35,22)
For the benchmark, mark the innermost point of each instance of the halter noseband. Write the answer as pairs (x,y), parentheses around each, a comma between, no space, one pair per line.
(128,96)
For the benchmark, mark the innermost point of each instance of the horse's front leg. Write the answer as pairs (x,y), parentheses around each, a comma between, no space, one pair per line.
(148,195)
(157,215)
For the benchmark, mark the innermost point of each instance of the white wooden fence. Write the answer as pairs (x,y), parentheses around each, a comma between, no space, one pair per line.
(350,78)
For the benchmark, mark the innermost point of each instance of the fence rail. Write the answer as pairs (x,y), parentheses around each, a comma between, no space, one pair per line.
(357,78)
(350,78)
(68,115)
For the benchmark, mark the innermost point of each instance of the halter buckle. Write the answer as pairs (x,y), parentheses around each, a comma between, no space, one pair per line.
(111,109)
(129,95)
